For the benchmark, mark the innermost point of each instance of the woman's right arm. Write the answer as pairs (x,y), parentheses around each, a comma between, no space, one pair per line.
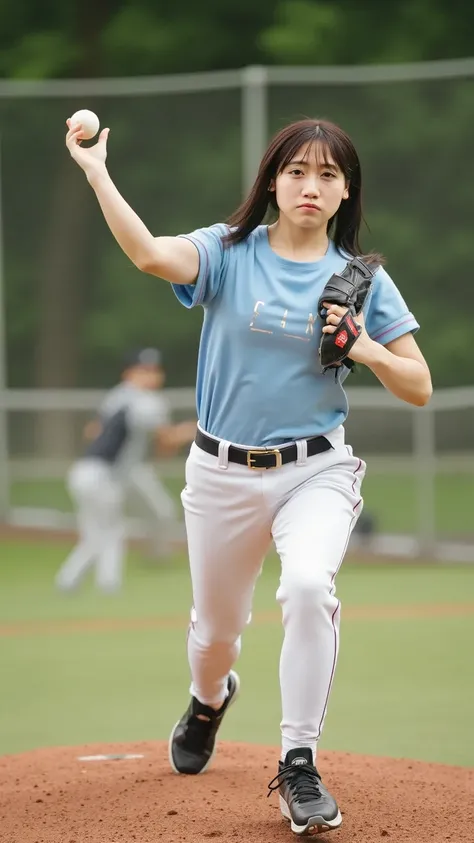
(175,259)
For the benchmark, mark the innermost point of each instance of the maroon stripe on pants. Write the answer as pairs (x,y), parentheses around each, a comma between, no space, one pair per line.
(337,609)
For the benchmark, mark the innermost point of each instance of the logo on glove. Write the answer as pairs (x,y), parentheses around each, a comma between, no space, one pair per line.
(341,339)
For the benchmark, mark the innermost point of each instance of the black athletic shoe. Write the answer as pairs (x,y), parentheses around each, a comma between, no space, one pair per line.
(192,741)
(304,801)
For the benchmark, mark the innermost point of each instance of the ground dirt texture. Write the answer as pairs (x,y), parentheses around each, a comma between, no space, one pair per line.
(52,796)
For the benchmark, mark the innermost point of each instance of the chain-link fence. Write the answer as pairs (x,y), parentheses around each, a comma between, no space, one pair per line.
(183,151)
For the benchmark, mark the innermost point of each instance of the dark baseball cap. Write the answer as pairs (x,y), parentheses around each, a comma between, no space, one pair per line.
(143,357)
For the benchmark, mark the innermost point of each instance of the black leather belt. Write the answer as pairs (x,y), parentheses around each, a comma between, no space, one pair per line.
(270,458)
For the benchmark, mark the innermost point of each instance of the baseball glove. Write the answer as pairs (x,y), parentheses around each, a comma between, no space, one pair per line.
(347,289)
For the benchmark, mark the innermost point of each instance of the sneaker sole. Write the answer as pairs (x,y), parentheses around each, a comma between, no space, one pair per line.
(314,824)
(236,679)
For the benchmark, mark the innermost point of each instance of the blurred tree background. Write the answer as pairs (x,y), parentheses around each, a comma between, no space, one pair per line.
(74,303)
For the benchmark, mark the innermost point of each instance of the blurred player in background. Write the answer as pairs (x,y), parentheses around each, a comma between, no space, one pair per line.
(132,415)
(144,486)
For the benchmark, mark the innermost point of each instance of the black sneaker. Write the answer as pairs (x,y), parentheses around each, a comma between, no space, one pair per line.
(192,741)
(304,801)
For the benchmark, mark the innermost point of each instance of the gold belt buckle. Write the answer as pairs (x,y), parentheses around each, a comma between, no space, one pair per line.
(251,455)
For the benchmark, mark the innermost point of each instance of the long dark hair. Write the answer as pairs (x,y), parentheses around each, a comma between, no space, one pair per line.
(344,226)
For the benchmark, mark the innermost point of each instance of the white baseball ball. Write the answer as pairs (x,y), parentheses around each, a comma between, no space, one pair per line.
(89,120)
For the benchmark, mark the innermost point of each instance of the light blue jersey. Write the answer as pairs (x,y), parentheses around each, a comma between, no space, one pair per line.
(259,379)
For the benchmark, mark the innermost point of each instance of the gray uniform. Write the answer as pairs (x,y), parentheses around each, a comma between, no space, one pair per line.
(98,482)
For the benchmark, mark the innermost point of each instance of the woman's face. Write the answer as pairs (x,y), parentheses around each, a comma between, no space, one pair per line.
(310,189)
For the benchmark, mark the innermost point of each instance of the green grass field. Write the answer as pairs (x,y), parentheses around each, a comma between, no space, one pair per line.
(88,668)
(391,498)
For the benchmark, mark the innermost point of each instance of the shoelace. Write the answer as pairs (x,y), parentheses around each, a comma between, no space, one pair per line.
(303,779)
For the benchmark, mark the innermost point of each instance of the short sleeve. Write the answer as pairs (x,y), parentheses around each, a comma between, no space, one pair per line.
(148,412)
(212,257)
(387,316)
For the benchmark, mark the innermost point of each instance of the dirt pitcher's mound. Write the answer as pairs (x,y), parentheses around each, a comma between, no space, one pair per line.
(107,794)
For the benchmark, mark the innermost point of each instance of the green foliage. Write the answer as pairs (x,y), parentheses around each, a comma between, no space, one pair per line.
(40,55)
(304,31)
(141,37)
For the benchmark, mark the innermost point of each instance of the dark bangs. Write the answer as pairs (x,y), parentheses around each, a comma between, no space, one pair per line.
(320,133)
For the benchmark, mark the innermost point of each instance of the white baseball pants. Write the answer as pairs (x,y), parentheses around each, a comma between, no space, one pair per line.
(98,499)
(161,512)
(233,513)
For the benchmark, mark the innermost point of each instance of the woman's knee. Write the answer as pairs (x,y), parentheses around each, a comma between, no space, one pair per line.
(217,632)
(306,590)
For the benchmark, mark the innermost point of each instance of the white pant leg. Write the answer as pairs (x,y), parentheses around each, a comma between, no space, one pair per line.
(83,554)
(97,498)
(81,483)
(228,531)
(161,509)
(146,482)
(311,532)
(110,558)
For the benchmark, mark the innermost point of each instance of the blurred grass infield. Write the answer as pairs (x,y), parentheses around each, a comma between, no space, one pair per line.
(390,498)
(87,668)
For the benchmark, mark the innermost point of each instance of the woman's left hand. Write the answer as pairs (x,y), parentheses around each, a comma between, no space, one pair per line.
(363,349)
